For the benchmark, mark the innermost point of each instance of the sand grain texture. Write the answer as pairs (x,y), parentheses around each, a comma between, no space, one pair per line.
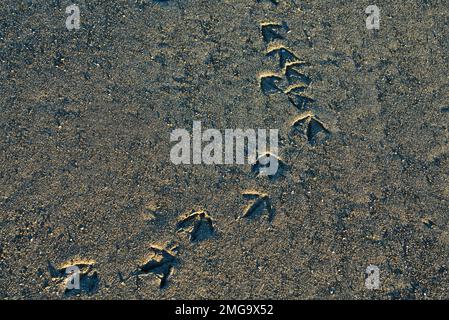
(84,135)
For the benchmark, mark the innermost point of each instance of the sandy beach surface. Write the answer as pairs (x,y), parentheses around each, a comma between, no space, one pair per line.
(86,178)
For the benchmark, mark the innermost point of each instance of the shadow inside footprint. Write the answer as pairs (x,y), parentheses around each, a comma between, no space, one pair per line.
(269,85)
(261,167)
(273,2)
(273,31)
(285,56)
(198,225)
(260,202)
(296,95)
(88,278)
(312,129)
(160,264)
(294,76)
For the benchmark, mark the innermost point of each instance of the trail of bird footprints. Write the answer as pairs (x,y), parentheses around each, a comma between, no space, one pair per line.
(289,80)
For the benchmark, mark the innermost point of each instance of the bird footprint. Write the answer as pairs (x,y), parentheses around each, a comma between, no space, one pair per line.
(161,263)
(198,225)
(259,202)
(88,277)
(311,128)
(272,31)
(259,168)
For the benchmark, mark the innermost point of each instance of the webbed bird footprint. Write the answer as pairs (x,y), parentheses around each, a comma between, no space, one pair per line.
(311,128)
(262,166)
(284,55)
(293,75)
(269,83)
(161,264)
(273,31)
(259,202)
(198,225)
(297,96)
(88,277)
